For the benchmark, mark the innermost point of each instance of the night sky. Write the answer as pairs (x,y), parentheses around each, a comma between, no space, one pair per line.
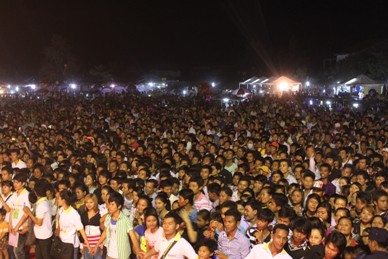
(242,36)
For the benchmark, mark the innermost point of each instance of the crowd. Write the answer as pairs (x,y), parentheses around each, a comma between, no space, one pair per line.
(133,176)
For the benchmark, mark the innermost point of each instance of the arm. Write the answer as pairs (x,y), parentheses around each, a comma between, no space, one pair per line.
(37,221)
(135,243)
(5,205)
(20,223)
(100,241)
(83,234)
(190,229)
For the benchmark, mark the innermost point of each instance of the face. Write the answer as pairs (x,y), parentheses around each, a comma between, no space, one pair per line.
(113,208)
(308,183)
(151,222)
(18,185)
(204,253)
(6,189)
(149,188)
(296,197)
(169,226)
(324,172)
(345,226)
(279,239)
(230,224)
(377,223)
(312,205)
(249,213)
(322,214)
(315,237)
(264,197)
(159,205)
(242,185)
(382,203)
(89,204)
(298,237)
(366,216)
(339,203)
(79,194)
(331,251)
(141,205)
(284,167)
(194,187)
(201,222)
(223,197)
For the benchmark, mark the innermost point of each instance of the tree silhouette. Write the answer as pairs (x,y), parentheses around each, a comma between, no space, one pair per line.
(58,64)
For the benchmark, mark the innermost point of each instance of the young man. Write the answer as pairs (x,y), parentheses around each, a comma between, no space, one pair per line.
(200,200)
(16,161)
(117,231)
(172,245)
(285,168)
(42,221)
(185,201)
(325,172)
(231,242)
(17,218)
(297,246)
(273,249)
(377,243)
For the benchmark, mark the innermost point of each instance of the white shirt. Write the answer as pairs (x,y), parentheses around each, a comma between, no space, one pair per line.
(20,164)
(69,223)
(262,251)
(17,202)
(43,211)
(182,249)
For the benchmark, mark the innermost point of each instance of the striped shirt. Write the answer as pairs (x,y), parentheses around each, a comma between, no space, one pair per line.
(92,228)
(123,227)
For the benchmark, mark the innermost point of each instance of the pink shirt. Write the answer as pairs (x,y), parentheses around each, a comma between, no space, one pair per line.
(151,239)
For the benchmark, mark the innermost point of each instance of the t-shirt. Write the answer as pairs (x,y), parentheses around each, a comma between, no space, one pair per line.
(112,248)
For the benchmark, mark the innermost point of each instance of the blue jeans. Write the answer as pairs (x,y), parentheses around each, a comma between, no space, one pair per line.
(87,255)
(19,251)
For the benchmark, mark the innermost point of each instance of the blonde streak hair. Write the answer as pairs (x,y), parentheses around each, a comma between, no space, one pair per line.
(92,197)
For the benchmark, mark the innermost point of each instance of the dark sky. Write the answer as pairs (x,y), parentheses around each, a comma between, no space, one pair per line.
(263,36)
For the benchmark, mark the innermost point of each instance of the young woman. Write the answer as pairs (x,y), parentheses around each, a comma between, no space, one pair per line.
(80,192)
(91,220)
(162,204)
(68,223)
(312,204)
(153,230)
(324,213)
(297,198)
(90,181)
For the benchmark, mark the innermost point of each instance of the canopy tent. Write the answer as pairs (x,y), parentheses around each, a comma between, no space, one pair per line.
(242,93)
(284,83)
(360,86)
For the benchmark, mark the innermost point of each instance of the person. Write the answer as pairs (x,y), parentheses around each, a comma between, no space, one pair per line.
(42,221)
(378,243)
(153,231)
(68,224)
(335,243)
(3,235)
(297,246)
(206,249)
(171,245)
(273,249)
(91,220)
(117,231)
(17,219)
(232,243)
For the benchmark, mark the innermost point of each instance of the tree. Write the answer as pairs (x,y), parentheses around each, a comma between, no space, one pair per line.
(58,64)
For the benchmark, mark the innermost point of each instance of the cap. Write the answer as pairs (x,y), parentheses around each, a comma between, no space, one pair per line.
(264,168)
(384,150)
(378,234)
(318,184)
(337,125)
(275,144)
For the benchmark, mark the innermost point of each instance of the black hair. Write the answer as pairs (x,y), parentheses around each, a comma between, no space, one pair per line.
(233,213)
(164,198)
(175,216)
(227,191)
(204,214)
(66,196)
(337,239)
(266,215)
(280,226)
(187,194)
(210,244)
(41,187)
(116,198)
(151,212)
(300,224)
(229,204)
